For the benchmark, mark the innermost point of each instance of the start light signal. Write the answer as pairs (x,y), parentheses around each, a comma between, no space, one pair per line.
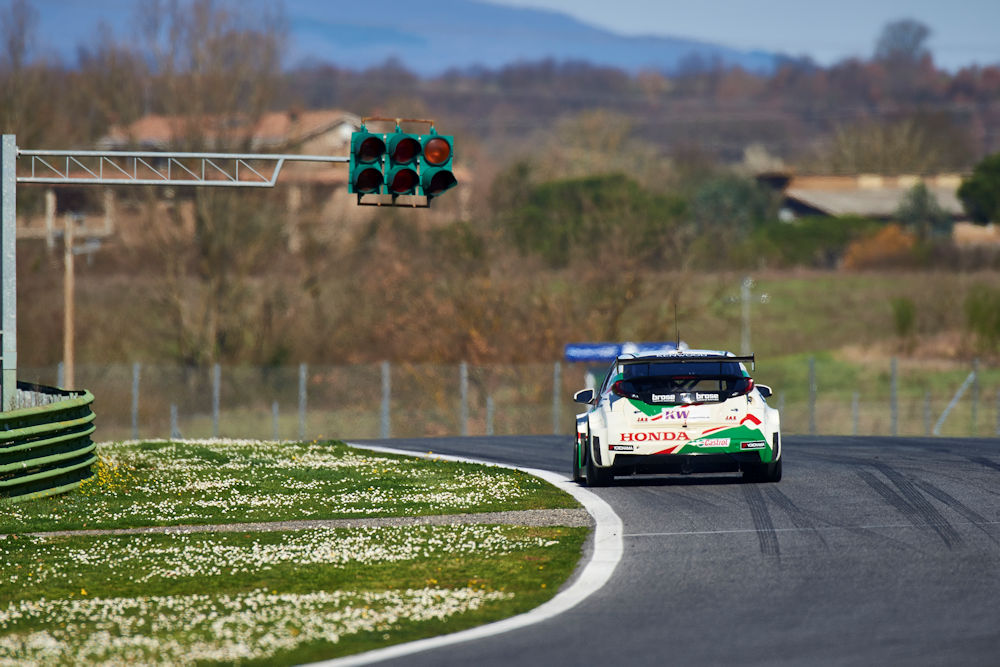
(400,168)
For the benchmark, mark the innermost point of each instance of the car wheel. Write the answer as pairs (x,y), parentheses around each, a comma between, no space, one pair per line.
(577,475)
(765,472)
(596,476)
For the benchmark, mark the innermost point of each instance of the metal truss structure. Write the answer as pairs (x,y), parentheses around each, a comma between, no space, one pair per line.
(59,167)
(157,168)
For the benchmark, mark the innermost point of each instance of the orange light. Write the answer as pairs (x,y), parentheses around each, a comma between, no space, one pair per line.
(437,151)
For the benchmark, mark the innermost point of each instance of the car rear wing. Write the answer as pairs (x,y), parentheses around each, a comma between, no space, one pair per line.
(688,359)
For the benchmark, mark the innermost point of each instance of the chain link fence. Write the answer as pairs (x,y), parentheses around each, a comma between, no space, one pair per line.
(815,395)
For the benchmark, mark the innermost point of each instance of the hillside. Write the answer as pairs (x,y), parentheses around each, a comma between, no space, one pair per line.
(448,34)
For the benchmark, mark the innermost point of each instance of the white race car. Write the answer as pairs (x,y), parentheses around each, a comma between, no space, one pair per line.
(677,412)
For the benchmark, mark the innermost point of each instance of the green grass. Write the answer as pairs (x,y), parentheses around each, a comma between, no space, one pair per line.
(172,483)
(276,598)
(282,597)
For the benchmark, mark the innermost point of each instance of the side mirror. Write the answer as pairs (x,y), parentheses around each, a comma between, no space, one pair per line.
(584,396)
(765,391)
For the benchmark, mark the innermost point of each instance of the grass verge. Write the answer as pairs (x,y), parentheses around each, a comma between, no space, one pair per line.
(282,597)
(163,483)
(272,598)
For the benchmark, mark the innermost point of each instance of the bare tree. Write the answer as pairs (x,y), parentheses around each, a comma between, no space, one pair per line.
(215,68)
(902,42)
(27,85)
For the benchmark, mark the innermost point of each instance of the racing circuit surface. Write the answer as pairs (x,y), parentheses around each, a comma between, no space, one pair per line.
(869,551)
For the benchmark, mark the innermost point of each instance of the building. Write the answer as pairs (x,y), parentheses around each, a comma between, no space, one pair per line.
(864,195)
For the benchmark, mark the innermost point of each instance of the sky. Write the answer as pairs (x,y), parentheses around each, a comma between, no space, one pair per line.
(963,32)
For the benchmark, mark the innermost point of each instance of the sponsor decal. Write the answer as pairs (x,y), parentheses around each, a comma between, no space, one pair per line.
(664,398)
(654,436)
(621,448)
(713,442)
(730,418)
(750,418)
(754,444)
(706,397)
(691,413)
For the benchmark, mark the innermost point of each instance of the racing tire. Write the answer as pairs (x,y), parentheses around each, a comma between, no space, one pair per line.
(766,473)
(577,475)
(596,476)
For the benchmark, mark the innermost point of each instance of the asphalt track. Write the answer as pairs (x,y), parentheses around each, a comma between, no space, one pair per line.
(869,551)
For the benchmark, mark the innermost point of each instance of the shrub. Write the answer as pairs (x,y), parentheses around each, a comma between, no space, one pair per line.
(904,318)
(890,246)
(982,315)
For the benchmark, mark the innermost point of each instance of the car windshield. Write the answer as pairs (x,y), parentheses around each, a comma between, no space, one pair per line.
(723,377)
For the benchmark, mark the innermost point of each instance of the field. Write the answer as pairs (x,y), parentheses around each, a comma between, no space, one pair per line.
(276,597)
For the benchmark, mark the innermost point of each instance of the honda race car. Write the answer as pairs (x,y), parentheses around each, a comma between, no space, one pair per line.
(677,412)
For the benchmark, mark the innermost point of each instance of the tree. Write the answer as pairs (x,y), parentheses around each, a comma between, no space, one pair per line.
(902,42)
(729,207)
(919,210)
(28,88)
(980,193)
(215,68)
(917,144)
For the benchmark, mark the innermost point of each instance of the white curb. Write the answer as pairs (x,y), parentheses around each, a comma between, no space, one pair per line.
(606,555)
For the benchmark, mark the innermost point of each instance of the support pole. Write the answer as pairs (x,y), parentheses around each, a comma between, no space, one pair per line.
(216,390)
(386,431)
(303,375)
(489,415)
(463,390)
(8,271)
(136,370)
(68,302)
(893,399)
(556,391)
(812,395)
(745,315)
(855,412)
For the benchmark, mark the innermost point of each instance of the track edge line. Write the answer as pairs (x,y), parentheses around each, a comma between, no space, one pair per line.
(607,553)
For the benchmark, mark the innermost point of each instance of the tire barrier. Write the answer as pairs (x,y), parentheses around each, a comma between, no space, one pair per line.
(45,444)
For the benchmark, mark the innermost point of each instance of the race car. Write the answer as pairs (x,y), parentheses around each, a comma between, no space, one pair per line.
(677,412)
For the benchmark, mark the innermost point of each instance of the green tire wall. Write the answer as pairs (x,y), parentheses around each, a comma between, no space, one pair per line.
(45,447)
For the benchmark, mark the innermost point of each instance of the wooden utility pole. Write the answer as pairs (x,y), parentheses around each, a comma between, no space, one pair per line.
(68,304)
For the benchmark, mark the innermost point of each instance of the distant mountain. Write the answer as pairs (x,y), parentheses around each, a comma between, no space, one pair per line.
(427,38)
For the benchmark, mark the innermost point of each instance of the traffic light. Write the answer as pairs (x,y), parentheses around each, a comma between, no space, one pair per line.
(404,159)
(400,168)
(435,172)
(367,156)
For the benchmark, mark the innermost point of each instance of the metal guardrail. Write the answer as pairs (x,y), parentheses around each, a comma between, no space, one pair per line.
(45,444)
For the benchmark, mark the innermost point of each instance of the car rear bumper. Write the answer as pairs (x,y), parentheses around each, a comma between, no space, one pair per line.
(659,464)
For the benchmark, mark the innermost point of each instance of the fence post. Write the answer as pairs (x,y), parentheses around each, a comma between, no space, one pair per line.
(60,380)
(386,430)
(893,406)
(927,412)
(175,431)
(136,369)
(489,415)
(998,411)
(216,381)
(274,419)
(812,395)
(556,403)
(303,374)
(463,390)
(855,409)
(974,427)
